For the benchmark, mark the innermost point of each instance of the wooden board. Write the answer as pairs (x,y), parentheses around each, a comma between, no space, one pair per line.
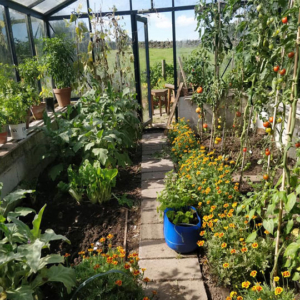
(182,71)
(172,113)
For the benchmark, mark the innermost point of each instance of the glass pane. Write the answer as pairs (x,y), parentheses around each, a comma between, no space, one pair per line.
(25,2)
(187,38)
(186,2)
(38,31)
(162,3)
(78,6)
(5,56)
(20,34)
(143,70)
(107,6)
(141,4)
(47,5)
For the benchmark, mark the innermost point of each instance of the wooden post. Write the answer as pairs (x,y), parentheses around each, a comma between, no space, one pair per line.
(163,69)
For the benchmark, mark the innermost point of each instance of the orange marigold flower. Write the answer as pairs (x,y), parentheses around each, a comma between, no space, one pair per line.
(118,282)
(228,298)
(226,205)
(244,249)
(109,246)
(245,284)
(102,240)
(110,236)
(81,253)
(92,244)
(200,243)
(230,197)
(254,245)
(146,279)
(266,232)
(115,262)
(286,274)
(232,225)
(154,292)
(143,270)
(226,265)
(99,250)
(146,298)
(232,251)
(136,272)
(224,245)
(109,260)
(259,288)
(239,298)
(97,266)
(253,273)
(278,290)
(67,255)
(127,266)
(202,233)
(90,250)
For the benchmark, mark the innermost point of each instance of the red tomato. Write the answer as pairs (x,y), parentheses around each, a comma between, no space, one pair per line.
(244,149)
(291,54)
(267,152)
(238,113)
(204,125)
(284,20)
(266,176)
(282,72)
(266,124)
(271,119)
(199,90)
(297,144)
(276,69)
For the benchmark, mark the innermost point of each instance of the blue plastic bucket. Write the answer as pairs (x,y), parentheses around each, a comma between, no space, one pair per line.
(181,238)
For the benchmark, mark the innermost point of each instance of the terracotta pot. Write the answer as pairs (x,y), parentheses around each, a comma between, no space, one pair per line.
(3,135)
(38,111)
(63,96)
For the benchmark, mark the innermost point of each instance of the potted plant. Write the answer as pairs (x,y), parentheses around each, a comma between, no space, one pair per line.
(47,96)
(58,61)
(29,72)
(16,105)
(182,223)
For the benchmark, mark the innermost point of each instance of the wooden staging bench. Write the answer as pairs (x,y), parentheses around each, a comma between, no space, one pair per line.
(159,94)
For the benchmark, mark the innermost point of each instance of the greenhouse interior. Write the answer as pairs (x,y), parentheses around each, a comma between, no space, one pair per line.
(149,149)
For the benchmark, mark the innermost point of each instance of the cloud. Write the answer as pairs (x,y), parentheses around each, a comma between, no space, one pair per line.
(183,20)
(160,21)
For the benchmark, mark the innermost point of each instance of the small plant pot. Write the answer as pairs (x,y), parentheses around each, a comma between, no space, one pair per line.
(63,96)
(49,104)
(18,132)
(3,135)
(38,111)
(181,237)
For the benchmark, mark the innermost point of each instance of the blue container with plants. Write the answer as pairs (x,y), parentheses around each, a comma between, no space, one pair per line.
(182,233)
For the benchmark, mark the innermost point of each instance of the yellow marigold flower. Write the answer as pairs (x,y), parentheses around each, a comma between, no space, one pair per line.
(232,225)
(236,188)
(143,269)
(90,250)
(266,232)
(253,273)
(221,234)
(232,294)
(226,227)
(232,162)
(241,239)
(245,284)
(226,265)
(234,204)
(278,290)
(216,234)
(109,246)
(228,298)
(254,245)
(102,240)
(81,253)
(286,274)
(239,298)
(202,233)
(200,203)
(200,243)
(224,245)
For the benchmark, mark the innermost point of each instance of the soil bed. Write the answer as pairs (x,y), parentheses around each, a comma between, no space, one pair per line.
(85,223)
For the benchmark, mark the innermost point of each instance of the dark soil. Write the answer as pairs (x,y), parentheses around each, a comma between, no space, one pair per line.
(86,223)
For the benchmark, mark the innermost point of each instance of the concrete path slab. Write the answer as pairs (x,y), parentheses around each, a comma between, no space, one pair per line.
(177,269)
(157,249)
(153,184)
(173,275)
(178,290)
(151,193)
(152,232)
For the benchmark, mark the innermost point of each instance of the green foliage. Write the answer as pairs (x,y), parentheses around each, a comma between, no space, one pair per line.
(180,217)
(126,284)
(58,60)
(91,180)
(23,268)
(157,81)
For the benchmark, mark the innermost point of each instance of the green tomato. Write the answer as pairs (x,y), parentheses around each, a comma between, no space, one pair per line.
(258,8)
(271,47)
(260,15)
(279,120)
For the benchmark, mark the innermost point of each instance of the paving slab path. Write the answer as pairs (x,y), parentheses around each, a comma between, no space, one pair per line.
(173,276)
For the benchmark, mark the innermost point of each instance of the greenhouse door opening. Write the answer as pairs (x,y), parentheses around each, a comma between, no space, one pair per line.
(144,69)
